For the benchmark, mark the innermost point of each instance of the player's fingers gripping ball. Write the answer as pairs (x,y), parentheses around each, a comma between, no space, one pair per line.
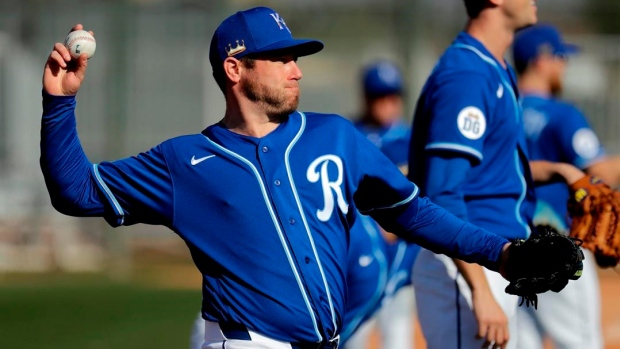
(594,208)
(79,42)
(547,260)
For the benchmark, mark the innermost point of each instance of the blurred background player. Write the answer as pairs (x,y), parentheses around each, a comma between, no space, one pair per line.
(468,154)
(558,131)
(382,123)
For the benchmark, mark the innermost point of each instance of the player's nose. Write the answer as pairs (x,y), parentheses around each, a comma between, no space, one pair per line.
(296,73)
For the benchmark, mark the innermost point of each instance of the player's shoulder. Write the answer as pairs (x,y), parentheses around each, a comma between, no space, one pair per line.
(457,66)
(333,121)
(183,143)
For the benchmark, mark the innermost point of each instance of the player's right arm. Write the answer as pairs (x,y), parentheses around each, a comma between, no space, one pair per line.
(454,146)
(125,191)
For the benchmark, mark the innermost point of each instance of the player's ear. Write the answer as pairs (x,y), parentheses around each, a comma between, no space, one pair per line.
(496,3)
(232,69)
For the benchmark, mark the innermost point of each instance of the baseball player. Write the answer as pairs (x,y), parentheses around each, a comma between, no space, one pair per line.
(264,199)
(468,154)
(557,131)
(378,267)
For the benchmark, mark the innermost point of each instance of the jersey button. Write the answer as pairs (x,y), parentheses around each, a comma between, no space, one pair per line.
(292,221)
(265,149)
(276,182)
(307,260)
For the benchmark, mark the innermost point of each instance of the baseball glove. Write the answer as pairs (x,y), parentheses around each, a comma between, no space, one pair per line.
(547,260)
(595,211)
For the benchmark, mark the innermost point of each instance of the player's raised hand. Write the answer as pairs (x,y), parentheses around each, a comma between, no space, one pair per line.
(63,75)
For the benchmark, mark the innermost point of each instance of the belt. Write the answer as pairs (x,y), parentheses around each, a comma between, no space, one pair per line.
(232,330)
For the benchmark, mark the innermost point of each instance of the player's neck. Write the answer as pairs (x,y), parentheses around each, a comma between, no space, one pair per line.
(531,84)
(493,34)
(248,119)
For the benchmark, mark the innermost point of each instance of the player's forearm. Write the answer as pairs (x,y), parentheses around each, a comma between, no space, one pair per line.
(608,170)
(65,167)
(549,172)
(473,275)
(436,229)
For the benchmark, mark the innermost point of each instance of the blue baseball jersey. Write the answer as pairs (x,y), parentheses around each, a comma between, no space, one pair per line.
(557,131)
(469,108)
(393,140)
(267,220)
(377,268)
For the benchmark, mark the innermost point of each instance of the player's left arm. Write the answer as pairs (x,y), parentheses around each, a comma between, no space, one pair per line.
(385,194)
(581,146)
(544,172)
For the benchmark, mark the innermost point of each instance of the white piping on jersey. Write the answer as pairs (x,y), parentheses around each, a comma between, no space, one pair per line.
(411,197)
(454,146)
(371,229)
(278,229)
(522,196)
(119,210)
(517,117)
(304,220)
(395,278)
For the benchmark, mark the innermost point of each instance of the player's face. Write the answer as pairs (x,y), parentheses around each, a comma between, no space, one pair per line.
(556,77)
(273,83)
(386,110)
(520,13)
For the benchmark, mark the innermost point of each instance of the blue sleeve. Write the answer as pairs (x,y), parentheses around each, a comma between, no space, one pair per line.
(446,176)
(392,200)
(457,109)
(128,191)
(580,145)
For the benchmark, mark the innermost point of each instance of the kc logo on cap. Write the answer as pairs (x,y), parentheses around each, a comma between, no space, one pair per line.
(259,30)
(280,21)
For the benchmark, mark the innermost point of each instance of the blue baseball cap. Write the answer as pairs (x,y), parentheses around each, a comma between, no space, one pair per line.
(539,39)
(382,78)
(254,31)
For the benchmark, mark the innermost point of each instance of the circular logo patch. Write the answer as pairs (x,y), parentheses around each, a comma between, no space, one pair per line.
(586,143)
(471,123)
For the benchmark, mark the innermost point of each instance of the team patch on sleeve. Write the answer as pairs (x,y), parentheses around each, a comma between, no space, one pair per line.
(586,143)
(471,123)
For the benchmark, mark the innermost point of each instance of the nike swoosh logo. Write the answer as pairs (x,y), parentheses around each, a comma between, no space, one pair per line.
(197,161)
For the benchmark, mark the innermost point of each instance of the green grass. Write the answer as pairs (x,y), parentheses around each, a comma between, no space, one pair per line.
(92,312)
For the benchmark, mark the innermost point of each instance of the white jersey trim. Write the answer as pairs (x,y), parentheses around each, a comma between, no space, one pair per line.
(279,230)
(457,147)
(370,228)
(413,195)
(119,210)
(303,217)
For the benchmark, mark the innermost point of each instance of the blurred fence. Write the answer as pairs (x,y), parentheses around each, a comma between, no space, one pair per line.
(150,80)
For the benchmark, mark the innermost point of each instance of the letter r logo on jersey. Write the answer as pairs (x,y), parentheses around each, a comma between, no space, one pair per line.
(280,21)
(318,170)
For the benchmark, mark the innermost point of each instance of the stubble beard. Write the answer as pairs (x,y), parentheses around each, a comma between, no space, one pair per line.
(275,103)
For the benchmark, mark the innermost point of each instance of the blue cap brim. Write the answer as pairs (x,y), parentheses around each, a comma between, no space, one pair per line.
(570,49)
(297,47)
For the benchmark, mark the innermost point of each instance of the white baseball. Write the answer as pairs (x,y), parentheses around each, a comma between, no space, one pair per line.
(80,41)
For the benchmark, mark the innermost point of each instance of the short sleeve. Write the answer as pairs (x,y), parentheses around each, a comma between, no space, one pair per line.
(382,185)
(458,109)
